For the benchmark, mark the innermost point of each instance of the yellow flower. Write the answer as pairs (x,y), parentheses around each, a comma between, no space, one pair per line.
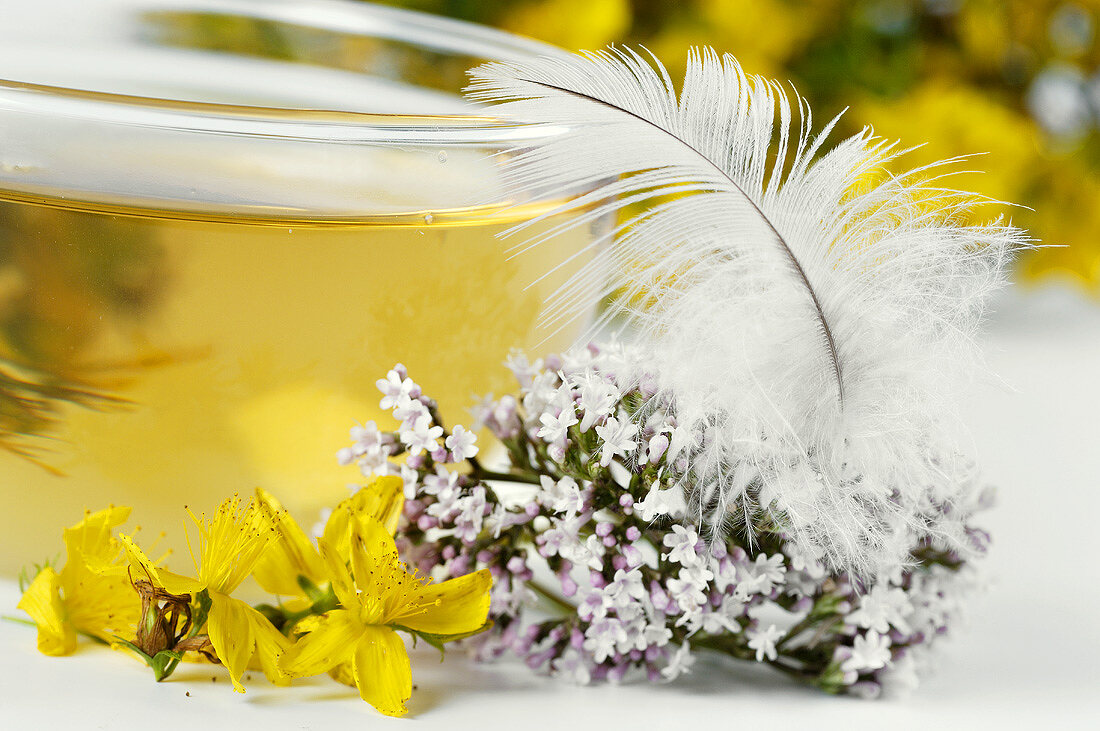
(293,555)
(1071,220)
(91,594)
(574,24)
(929,113)
(229,544)
(377,595)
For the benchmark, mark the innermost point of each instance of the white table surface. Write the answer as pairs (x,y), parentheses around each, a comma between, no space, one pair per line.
(1028,659)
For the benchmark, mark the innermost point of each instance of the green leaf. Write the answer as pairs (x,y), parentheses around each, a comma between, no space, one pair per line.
(326,601)
(311,590)
(272,614)
(162,664)
(136,650)
(438,641)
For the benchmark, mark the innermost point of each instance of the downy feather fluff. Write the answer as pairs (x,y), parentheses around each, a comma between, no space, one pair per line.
(805,310)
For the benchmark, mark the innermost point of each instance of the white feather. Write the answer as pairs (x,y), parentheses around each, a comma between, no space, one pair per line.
(805,309)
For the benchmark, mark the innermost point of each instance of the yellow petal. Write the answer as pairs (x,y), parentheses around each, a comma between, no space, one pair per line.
(142,569)
(453,607)
(103,605)
(288,557)
(331,643)
(270,647)
(337,570)
(232,635)
(179,584)
(243,638)
(381,670)
(343,674)
(383,500)
(90,543)
(374,558)
(42,601)
(297,604)
(307,624)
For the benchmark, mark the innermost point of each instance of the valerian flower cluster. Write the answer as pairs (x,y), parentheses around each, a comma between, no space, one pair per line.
(347,596)
(600,571)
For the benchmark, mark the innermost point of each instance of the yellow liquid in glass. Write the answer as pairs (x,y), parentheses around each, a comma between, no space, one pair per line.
(241,351)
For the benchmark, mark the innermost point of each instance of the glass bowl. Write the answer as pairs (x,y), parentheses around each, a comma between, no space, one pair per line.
(220,222)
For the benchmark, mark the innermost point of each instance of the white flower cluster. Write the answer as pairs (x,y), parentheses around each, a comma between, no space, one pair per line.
(591,504)
(418,434)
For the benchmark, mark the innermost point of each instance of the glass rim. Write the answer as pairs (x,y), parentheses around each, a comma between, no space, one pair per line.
(418,29)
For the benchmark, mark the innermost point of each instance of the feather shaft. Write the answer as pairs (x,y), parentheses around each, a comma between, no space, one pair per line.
(796,265)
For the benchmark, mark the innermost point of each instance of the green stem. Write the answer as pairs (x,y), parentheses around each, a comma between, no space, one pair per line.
(551,597)
(475,464)
(729,646)
(483,474)
(798,629)
(478,471)
(169,668)
(327,603)
(726,645)
(799,673)
(19,620)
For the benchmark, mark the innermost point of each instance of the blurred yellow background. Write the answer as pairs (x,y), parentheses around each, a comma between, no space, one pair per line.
(1016,79)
